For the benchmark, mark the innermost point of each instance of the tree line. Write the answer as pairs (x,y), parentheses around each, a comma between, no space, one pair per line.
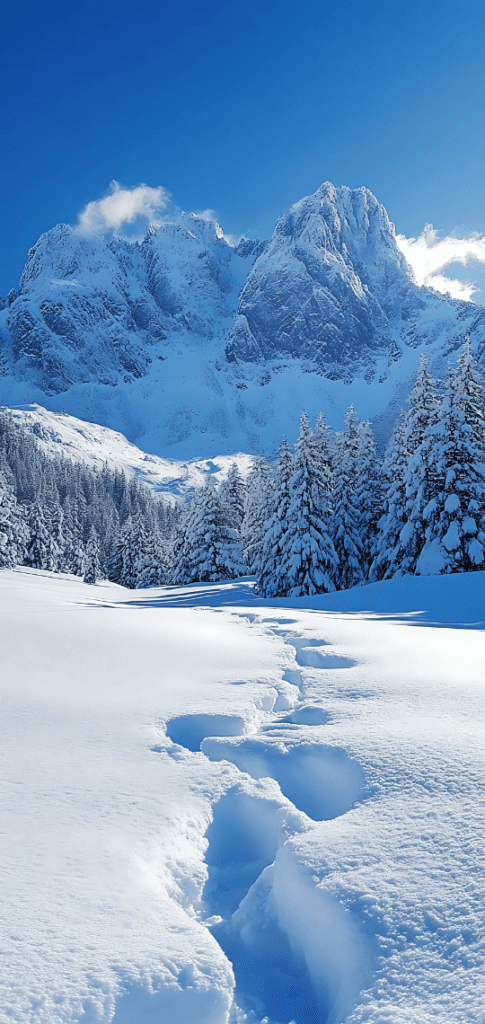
(327,515)
(67,517)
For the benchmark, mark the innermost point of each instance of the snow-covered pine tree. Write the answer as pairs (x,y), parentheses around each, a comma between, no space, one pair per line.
(41,550)
(424,408)
(257,511)
(325,450)
(177,542)
(75,547)
(369,495)
(231,496)
(55,525)
(272,567)
(394,514)
(347,535)
(152,563)
(212,550)
(471,395)
(308,547)
(165,572)
(113,550)
(87,498)
(13,529)
(451,499)
(130,540)
(91,569)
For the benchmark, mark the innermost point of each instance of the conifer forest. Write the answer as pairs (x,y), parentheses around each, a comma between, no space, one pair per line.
(327,515)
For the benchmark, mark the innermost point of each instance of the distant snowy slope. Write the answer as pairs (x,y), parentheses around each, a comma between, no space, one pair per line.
(60,434)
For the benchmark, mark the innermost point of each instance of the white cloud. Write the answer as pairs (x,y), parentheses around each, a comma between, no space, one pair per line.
(125,211)
(206,214)
(428,255)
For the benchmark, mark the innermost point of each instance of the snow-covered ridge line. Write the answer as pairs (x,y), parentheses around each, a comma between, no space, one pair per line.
(96,446)
(191,346)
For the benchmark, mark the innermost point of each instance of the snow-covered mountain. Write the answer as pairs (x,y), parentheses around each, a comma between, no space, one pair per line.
(333,287)
(59,434)
(91,310)
(191,345)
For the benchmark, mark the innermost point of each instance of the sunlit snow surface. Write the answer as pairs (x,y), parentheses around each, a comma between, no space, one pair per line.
(326,838)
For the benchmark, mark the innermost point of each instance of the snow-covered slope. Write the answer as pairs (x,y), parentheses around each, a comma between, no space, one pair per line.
(218,810)
(191,345)
(59,434)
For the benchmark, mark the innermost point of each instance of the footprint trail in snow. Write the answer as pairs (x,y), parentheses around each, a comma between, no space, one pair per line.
(250,869)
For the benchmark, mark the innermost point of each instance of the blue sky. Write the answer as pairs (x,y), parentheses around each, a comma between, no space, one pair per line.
(243,109)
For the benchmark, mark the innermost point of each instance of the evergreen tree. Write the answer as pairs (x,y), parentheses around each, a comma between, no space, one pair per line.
(347,534)
(421,417)
(113,549)
(424,406)
(394,515)
(55,526)
(308,546)
(177,544)
(13,531)
(154,563)
(258,509)
(231,496)
(73,560)
(130,546)
(150,571)
(369,495)
(272,566)
(325,451)
(41,551)
(211,551)
(451,498)
(92,569)
(471,396)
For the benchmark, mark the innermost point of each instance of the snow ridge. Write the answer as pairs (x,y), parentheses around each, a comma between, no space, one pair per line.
(192,345)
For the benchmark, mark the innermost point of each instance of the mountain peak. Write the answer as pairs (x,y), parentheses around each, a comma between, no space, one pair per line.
(187,316)
(335,250)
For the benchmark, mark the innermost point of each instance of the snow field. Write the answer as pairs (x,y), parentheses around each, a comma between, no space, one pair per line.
(104,857)
(196,776)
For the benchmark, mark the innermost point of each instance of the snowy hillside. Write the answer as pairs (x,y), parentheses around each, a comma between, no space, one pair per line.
(59,434)
(251,812)
(190,345)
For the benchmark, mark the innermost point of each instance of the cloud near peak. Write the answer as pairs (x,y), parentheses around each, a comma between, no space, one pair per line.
(428,255)
(125,211)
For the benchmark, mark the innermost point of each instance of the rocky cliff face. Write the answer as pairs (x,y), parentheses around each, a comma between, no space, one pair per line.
(333,288)
(92,310)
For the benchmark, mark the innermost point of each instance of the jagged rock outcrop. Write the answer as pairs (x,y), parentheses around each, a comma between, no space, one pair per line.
(88,309)
(333,288)
(192,345)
